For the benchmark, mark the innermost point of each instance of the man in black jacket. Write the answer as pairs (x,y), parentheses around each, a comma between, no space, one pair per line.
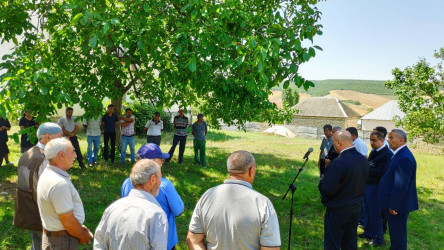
(342,190)
(378,159)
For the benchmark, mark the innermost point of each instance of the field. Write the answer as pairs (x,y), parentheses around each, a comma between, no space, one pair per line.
(277,160)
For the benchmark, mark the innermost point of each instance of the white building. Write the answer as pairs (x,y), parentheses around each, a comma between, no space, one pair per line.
(382,116)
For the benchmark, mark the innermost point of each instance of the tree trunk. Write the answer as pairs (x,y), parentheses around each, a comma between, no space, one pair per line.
(118,111)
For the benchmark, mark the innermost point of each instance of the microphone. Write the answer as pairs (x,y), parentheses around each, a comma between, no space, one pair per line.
(308,153)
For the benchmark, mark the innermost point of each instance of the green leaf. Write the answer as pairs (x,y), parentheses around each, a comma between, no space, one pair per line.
(76,18)
(84,20)
(311,52)
(192,66)
(240,61)
(264,54)
(259,66)
(317,47)
(115,21)
(306,57)
(93,42)
(194,14)
(105,28)
(293,68)
(44,90)
(184,8)
(286,84)
(140,44)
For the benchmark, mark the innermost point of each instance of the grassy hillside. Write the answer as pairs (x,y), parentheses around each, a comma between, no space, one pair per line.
(364,86)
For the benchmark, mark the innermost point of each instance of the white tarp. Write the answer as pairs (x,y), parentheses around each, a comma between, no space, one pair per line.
(279,130)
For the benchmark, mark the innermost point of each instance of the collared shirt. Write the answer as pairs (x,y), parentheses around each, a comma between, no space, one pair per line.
(234,216)
(67,123)
(128,130)
(57,195)
(134,222)
(154,129)
(397,150)
(170,202)
(93,126)
(110,122)
(360,146)
(377,150)
(181,124)
(199,130)
(325,146)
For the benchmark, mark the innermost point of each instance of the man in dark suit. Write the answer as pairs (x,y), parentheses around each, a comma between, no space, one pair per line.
(332,152)
(397,189)
(378,160)
(342,190)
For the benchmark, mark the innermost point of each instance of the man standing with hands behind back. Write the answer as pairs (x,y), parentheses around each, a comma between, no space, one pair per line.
(397,189)
(180,135)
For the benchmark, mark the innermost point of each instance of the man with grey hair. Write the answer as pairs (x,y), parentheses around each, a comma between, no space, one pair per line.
(397,195)
(136,221)
(233,215)
(30,167)
(60,206)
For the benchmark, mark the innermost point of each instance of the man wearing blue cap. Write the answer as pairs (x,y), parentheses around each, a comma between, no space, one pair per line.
(30,166)
(168,197)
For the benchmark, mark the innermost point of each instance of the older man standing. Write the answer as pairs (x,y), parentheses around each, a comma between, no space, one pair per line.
(233,215)
(70,129)
(342,190)
(167,197)
(93,138)
(153,129)
(30,167)
(397,189)
(60,206)
(136,221)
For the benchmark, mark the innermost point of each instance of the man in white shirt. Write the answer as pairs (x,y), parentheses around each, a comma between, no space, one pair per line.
(60,206)
(358,143)
(153,129)
(136,221)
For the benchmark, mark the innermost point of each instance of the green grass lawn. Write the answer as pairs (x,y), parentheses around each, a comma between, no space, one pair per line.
(278,160)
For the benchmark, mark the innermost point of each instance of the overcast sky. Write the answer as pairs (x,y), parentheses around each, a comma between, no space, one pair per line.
(366,39)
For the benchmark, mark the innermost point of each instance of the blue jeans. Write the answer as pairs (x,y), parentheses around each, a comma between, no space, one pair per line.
(92,140)
(131,141)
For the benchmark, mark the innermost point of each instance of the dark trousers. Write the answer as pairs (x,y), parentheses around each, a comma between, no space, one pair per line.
(66,242)
(106,138)
(321,167)
(176,140)
(363,215)
(3,151)
(373,228)
(153,139)
(340,227)
(398,230)
(75,144)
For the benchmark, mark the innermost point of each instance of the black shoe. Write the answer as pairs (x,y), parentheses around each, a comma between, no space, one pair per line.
(372,243)
(363,236)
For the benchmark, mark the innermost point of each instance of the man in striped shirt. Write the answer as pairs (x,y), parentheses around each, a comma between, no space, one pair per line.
(180,134)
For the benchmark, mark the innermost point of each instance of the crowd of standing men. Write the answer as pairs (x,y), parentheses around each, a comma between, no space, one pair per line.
(366,191)
(356,189)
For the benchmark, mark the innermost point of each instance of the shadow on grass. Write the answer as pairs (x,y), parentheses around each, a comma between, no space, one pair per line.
(219,136)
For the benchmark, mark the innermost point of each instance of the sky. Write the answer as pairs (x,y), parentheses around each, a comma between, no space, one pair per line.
(366,39)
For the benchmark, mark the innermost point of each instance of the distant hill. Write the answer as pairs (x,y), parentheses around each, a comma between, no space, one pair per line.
(322,87)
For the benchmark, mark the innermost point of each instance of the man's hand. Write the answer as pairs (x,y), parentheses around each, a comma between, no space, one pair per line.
(392,212)
(327,161)
(89,233)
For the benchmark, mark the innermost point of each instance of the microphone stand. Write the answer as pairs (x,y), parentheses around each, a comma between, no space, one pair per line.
(292,187)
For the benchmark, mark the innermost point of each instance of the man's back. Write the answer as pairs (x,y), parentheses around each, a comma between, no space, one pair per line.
(133,222)
(344,180)
(234,216)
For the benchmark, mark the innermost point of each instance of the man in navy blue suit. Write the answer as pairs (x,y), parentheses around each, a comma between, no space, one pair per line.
(378,160)
(342,190)
(397,189)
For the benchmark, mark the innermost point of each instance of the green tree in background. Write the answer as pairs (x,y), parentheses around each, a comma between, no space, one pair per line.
(290,97)
(229,54)
(420,95)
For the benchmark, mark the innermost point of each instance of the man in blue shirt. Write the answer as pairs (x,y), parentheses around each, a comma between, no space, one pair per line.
(199,130)
(168,197)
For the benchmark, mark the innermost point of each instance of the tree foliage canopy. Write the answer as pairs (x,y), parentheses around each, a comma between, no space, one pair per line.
(290,97)
(223,56)
(420,89)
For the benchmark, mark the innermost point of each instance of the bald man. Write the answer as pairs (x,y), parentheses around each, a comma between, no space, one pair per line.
(342,190)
